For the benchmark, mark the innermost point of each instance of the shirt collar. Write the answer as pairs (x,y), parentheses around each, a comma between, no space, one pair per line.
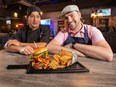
(74,33)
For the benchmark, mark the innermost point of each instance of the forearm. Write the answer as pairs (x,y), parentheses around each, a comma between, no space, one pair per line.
(56,49)
(13,48)
(97,52)
(39,44)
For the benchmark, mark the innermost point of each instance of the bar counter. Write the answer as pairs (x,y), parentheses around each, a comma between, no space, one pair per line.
(101,74)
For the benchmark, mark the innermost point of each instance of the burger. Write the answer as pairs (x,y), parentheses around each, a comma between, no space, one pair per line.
(39,52)
(39,58)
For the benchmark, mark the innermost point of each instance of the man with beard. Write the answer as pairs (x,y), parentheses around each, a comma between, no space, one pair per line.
(30,36)
(83,39)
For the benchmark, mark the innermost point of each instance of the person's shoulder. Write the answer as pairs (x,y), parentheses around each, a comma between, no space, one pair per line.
(24,28)
(43,29)
(90,27)
(44,26)
(63,33)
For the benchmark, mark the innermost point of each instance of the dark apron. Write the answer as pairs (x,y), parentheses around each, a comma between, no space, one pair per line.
(85,40)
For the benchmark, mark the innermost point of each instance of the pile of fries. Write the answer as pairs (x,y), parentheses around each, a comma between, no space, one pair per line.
(61,60)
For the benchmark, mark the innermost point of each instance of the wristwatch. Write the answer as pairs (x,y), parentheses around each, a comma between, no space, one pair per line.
(73,45)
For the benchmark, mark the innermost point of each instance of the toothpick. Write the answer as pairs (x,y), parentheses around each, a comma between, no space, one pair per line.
(35,44)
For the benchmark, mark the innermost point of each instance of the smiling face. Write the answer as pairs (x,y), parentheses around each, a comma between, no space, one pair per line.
(73,20)
(34,20)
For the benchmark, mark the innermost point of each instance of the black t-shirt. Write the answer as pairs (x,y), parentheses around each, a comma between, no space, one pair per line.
(27,35)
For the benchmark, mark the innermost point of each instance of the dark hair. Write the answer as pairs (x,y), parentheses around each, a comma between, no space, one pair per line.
(33,8)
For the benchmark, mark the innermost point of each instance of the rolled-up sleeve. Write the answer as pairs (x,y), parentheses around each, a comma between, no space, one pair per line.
(96,36)
(61,37)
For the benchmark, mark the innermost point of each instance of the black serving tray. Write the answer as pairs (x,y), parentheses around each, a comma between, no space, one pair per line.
(75,68)
(24,66)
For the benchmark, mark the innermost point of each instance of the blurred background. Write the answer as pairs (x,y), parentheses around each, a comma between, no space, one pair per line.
(99,13)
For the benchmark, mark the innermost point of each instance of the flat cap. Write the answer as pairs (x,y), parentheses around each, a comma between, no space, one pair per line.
(31,9)
(69,8)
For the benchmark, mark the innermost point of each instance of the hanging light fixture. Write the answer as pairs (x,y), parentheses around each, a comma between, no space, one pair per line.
(41,13)
(15,14)
(93,14)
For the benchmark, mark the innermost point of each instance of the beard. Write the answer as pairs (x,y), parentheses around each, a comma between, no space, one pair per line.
(72,26)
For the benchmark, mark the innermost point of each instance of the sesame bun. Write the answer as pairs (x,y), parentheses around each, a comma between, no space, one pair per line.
(40,50)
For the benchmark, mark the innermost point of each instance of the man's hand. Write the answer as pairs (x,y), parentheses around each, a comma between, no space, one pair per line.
(13,42)
(26,50)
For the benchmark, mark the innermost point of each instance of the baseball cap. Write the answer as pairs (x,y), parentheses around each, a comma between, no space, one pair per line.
(69,8)
(31,9)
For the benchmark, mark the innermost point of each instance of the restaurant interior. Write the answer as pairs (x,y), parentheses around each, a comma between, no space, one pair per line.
(101,14)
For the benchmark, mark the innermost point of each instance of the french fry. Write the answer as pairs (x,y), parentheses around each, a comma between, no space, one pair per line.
(61,60)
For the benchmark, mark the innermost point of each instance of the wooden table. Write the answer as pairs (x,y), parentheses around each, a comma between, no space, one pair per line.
(102,74)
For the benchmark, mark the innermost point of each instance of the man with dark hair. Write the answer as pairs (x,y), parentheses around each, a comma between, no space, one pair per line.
(83,39)
(30,36)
